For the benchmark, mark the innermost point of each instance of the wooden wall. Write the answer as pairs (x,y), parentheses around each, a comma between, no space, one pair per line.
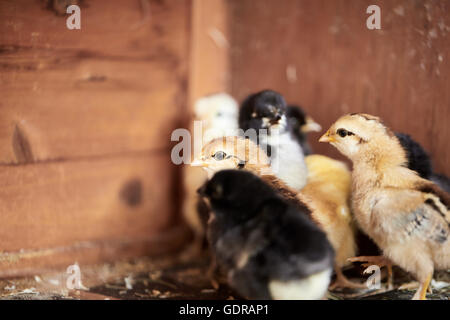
(336,65)
(85,123)
(86,115)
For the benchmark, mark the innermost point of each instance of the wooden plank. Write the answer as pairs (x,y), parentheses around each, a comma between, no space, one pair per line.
(210,45)
(336,65)
(87,210)
(117,85)
(63,115)
(61,203)
(119,28)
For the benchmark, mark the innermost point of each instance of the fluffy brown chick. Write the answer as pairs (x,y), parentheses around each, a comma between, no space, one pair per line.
(326,194)
(406,216)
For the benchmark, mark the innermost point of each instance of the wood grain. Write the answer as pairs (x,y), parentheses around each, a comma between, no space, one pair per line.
(400,73)
(115,86)
(85,123)
(210,69)
(64,202)
(88,210)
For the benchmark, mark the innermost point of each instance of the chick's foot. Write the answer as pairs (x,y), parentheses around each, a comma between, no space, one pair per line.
(380,261)
(343,282)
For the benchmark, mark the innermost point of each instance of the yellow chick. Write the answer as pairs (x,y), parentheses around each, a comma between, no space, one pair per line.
(406,216)
(327,193)
(218,114)
(329,184)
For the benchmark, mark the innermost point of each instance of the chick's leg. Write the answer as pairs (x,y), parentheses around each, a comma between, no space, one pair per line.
(213,274)
(380,261)
(342,281)
(390,280)
(422,291)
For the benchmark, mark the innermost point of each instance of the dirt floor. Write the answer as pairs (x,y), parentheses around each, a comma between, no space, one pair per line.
(176,278)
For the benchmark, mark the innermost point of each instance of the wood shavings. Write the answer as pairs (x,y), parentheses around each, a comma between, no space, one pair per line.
(54,282)
(208,291)
(140,295)
(128,282)
(439,284)
(166,294)
(29,291)
(156,292)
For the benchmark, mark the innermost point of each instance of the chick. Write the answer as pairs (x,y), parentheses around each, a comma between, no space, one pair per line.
(218,114)
(329,187)
(406,216)
(327,193)
(265,113)
(267,248)
(419,161)
(301,124)
(232,152)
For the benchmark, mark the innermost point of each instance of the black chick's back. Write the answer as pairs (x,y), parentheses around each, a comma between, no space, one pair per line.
(420,161)
(275,242)
(296,117)
(418,158)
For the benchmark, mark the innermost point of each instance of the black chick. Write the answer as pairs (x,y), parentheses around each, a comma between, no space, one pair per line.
(419,161)
(261,110)
(268,248)
(300,124)
(267,110)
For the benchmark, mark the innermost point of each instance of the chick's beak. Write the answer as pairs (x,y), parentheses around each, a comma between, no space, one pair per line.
(327,137)
(311,125)
(276,119)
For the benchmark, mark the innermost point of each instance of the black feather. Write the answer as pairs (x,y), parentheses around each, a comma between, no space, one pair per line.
(420,161)
(252,219)
(418,158)
(264,104)
(296,117)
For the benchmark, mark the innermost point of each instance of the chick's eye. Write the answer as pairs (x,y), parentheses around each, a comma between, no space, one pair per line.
(219,155)
(343,133)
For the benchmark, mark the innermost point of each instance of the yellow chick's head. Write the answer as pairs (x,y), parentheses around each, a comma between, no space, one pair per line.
(359,133)
(232,153)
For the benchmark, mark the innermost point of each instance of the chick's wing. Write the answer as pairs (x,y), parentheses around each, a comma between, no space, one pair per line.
(410,214)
